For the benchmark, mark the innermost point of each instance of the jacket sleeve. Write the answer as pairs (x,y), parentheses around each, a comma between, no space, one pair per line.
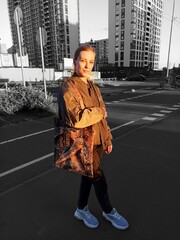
(107,134)
(78,117)
(106,129)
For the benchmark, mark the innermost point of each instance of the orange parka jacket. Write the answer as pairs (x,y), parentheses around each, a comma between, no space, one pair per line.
(72,115)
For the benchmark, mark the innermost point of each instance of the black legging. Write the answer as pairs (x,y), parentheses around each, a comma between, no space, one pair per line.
(101,190)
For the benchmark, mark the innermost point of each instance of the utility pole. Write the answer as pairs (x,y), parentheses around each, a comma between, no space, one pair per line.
(41,35)
(170,37)
(18,21)
(41,39)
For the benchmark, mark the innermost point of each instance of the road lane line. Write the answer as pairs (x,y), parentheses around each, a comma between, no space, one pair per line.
(143,95)
(176,106)
(120,126)
(172,108)
(26,165)
(26,136)
(158,115)
(149,118)
(165,111)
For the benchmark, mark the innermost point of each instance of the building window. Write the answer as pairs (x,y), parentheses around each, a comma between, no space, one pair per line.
(117,39)
(132,55)
(122,3)
(122,45)
(122,56)
(67,21)
(67,39)
(133,44)
(122,24)
(68,49)
(123,13)
(66,9)
(122,35)
(116,56)
(67,30)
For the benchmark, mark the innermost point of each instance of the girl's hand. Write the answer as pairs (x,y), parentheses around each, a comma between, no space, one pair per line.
(109,149)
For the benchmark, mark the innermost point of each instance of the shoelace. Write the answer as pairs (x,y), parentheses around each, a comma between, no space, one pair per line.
(87,213)
(116,214)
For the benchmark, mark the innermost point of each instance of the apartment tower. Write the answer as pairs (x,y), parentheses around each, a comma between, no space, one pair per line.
(59,18)
(134,32)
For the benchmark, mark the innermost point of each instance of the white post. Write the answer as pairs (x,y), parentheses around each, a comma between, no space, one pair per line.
(172,20)
(20,50)
(42,56)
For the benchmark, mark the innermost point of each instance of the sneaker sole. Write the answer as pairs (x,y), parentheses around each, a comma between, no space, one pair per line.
(114,224)
(85,222)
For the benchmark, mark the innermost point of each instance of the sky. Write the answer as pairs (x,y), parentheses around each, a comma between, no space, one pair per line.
(94,25)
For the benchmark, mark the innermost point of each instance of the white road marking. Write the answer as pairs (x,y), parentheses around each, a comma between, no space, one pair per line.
(26,165)
(176,106)
(165,111)
(144,95)
(171,108)
(149,118)
(120,126)
(26,136)
(158,115)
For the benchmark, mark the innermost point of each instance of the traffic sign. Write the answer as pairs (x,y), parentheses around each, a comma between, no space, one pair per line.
(18,16)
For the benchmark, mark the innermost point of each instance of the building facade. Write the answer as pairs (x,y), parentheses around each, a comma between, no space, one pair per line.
(101,48)
(59,20)
(134,32)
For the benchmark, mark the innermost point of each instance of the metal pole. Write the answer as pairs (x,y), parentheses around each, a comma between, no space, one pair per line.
(56,45)
(172,20)
(42,56)
(1,65)
(20,50)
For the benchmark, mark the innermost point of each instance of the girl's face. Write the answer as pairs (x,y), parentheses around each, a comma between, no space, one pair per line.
(84,63)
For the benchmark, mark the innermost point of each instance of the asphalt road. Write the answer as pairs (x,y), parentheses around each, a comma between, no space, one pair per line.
(37,201)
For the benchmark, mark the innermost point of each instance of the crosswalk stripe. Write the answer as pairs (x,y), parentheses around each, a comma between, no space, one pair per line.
(165,111)
(149,118)
(172,108)
(158,115)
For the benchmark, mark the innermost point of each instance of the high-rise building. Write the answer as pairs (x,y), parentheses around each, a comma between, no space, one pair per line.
(60,21)
(134,32)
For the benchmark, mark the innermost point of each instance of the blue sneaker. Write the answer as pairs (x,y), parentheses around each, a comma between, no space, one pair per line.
(116,219)
(88,219)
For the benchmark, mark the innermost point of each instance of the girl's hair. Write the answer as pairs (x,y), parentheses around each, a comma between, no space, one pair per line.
(84,47)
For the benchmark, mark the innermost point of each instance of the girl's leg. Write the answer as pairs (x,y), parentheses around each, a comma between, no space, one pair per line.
(101,190)
(100,184)
(84,191)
